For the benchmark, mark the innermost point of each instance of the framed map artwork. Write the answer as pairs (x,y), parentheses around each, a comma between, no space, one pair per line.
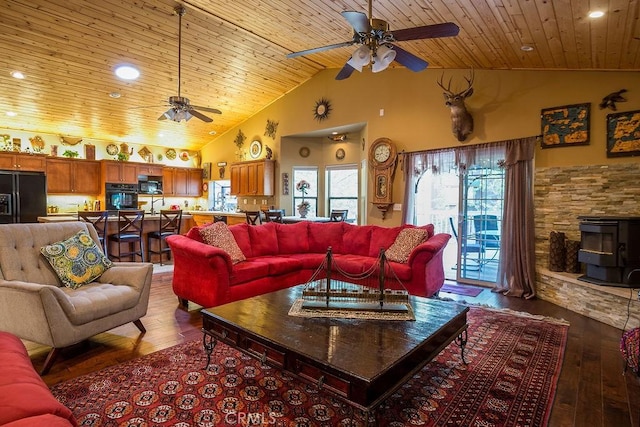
(565,126)
(623,134)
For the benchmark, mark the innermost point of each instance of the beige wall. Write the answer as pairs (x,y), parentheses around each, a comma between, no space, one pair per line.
(505,105)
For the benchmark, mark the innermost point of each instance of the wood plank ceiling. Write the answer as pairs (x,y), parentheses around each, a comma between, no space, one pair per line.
(233,54)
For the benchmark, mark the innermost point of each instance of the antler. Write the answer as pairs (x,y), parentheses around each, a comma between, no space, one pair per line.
(469,80)
(446,89)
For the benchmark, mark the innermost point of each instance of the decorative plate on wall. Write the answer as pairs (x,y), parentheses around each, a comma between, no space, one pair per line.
(112,149)
(171,154)
(304,152)
(255,149)
(340,154)
(184,156)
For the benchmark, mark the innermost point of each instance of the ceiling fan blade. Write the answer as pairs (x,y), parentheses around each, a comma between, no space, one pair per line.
(447,29)
(346,72)
(320,49)
(409,60)
(357,20)
(199,115)
(209,109)
(163,116)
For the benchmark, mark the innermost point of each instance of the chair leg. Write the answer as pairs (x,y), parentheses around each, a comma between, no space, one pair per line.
(139,325)
(184,303)
(48,362)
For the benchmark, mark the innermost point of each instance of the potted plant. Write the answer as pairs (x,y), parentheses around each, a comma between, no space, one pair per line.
(304,206)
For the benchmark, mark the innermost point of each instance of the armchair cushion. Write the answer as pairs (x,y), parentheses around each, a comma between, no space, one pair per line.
(77,260)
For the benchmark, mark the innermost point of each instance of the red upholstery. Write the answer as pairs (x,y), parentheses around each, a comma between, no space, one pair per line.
(285,255)
(25,400)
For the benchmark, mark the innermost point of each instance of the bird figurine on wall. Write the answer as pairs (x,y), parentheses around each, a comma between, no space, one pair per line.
(610,100)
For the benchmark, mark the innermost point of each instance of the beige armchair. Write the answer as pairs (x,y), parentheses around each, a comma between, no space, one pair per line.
(35,306)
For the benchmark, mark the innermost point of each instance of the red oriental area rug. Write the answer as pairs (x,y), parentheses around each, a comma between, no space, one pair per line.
(511,378)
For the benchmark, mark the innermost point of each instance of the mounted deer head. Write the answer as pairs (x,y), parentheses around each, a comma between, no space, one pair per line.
(461,119)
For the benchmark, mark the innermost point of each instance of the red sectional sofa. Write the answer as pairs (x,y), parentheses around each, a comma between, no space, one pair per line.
(25,400)
(279,256)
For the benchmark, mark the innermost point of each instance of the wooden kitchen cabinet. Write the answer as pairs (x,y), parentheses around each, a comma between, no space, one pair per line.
(23,162)
(149,170)
(119,172)
(66,176)
(254,178)
(182,182)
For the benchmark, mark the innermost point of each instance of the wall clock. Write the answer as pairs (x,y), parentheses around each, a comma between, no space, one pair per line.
(255,149)
(304,152)
(322,109)
(383,158)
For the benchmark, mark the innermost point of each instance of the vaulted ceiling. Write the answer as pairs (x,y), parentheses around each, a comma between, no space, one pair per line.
(233,54)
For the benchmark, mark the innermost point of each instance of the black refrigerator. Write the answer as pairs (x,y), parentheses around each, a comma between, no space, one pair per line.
(23,196)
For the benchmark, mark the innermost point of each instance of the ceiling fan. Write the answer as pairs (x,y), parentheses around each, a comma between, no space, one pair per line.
(180,107)
(375,40)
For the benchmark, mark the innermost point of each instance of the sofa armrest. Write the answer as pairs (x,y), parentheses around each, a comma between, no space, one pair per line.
(201,272)
(426,264)
(434,244)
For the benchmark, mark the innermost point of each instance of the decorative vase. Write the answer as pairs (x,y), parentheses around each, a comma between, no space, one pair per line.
(303,211)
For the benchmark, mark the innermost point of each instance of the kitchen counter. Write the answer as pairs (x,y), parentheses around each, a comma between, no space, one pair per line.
(73,217)
(204,217)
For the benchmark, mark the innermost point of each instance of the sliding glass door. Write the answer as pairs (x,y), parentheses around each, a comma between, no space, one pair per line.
(466,203)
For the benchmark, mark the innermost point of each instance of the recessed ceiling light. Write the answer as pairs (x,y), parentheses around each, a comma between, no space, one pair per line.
(212,132)
(127,72)
(17,75)
(526,48)
(115,95)
(596,14)
(11,113)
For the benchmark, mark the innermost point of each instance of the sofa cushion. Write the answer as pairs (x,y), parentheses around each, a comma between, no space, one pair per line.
(382,237)
(280,264)
(251,269)
(217,234)
(357,239)
(241,234)
(293,238)
(404,244)
(264,240)
(77,260)
(325,235)
(23,394)
(310,261)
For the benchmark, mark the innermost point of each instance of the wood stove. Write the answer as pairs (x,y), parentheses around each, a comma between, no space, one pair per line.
(610,248)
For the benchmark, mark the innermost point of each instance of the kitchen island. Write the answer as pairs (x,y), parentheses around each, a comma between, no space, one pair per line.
(205,217)
(151,223)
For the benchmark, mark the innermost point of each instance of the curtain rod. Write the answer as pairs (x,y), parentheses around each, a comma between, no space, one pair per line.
(435,150)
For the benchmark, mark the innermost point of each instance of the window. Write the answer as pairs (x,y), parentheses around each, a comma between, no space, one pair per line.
(342,189)
(309,174)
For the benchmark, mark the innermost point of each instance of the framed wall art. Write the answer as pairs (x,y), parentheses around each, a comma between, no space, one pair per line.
(206,170)
(623,134)
(285,184)
(565,126)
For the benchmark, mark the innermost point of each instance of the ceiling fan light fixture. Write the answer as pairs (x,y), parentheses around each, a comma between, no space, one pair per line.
(384,57)
(360,58)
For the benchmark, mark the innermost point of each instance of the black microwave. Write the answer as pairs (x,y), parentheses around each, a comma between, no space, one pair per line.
(150,187)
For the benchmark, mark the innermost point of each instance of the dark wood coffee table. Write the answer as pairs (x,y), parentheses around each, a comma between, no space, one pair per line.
(360,361)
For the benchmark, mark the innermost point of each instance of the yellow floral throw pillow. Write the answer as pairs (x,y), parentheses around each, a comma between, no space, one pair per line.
(77,260)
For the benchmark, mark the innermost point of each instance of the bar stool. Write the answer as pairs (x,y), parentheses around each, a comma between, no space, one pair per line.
(170,220)
(274,215)
(130,225)
(99,221)
(253,217)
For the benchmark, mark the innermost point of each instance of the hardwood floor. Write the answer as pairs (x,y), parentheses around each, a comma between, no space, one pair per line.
(592,391)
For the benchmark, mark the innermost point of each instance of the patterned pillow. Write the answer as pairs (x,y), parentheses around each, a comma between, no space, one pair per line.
(406,241)
(219,235)
(77,260)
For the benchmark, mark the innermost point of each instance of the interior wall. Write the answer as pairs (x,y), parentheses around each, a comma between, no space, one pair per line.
(408,108)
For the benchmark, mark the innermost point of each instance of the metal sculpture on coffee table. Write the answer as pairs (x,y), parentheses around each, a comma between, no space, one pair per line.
(364,293)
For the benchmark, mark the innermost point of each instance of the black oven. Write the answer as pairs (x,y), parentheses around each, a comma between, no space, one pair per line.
(121,196)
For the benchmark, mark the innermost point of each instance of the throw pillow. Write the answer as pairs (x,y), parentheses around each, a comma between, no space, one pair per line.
(406,241)
(77,260)
(219,235)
